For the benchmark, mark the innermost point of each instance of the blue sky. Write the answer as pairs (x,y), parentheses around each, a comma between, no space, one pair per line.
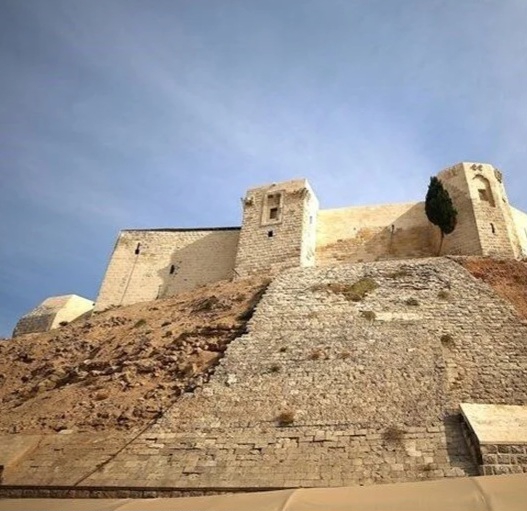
(160,113)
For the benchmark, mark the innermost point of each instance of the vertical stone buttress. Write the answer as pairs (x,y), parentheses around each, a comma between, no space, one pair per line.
(278,229)
(485,224)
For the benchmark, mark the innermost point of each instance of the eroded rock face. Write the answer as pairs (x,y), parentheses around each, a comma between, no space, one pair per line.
(121,368)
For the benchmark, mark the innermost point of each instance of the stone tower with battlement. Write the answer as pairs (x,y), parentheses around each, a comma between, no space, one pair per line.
(283,227)
(278,229)
(486,223)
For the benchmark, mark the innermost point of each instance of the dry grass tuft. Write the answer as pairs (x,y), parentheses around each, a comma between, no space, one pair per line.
(393,434)
(286,418)
(368,315)
(448,341)
(352,292)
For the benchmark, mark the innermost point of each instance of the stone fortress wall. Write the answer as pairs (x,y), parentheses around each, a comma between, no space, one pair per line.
(52,312)
(150,264)
(373,386)
(283,227)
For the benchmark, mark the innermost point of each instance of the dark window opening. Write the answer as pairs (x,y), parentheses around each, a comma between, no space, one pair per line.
(270,234)
(138,249)
(483,195)
(493,228)
(172,269)
(273,213)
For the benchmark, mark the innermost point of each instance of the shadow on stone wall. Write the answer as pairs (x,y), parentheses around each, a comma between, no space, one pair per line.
(460,457)
(402,239)
(208,259)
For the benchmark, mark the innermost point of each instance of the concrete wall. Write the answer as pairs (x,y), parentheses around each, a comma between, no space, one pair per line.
(146,265)
(272,244)
(520,222)
(370,233)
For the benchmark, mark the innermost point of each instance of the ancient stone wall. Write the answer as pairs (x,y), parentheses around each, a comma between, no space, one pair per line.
(497,233)
(465,238)
(371,233)
(520,221)
(283,228)
(146,265)
(278,228)
(367,391)
(52,312)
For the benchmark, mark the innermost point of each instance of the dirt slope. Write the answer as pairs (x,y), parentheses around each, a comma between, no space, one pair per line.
(507,277)
(121,368)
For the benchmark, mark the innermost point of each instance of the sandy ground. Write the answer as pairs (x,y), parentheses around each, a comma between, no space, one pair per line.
(119,369)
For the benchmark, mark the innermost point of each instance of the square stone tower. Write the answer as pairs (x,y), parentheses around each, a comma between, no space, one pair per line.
(278,229)
(485,223)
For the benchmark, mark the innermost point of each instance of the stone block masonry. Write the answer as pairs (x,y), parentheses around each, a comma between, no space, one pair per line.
(146,265)
(283,227)
(373,387)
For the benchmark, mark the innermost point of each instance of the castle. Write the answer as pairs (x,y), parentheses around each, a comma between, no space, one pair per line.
(284,227)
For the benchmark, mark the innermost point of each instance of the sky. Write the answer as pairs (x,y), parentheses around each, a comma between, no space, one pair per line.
(122,114)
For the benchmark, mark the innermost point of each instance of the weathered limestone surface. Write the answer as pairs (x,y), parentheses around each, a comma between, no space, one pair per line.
(146,265)
(497,437)
(283,238)
(373,400)
(374,387)
(52,312)
(372,233)
(283,227)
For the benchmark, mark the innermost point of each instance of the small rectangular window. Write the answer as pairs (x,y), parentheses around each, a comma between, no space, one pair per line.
(273,213)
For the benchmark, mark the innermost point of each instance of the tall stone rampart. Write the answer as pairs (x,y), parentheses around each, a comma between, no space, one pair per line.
(520,221)
(371,233)
(150,264)
(373,386)
(283,227)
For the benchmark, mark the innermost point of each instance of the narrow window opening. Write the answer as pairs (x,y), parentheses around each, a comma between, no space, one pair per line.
(484,190)
(138,249)
(310,219)
(483,195)
(273,207)
(270,234)
(493,228)
(172,269)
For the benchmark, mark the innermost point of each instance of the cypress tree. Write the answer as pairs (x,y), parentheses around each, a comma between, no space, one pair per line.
(439,208)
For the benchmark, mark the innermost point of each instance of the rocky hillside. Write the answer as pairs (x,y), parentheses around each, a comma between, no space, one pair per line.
(122,368)
(507,277)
